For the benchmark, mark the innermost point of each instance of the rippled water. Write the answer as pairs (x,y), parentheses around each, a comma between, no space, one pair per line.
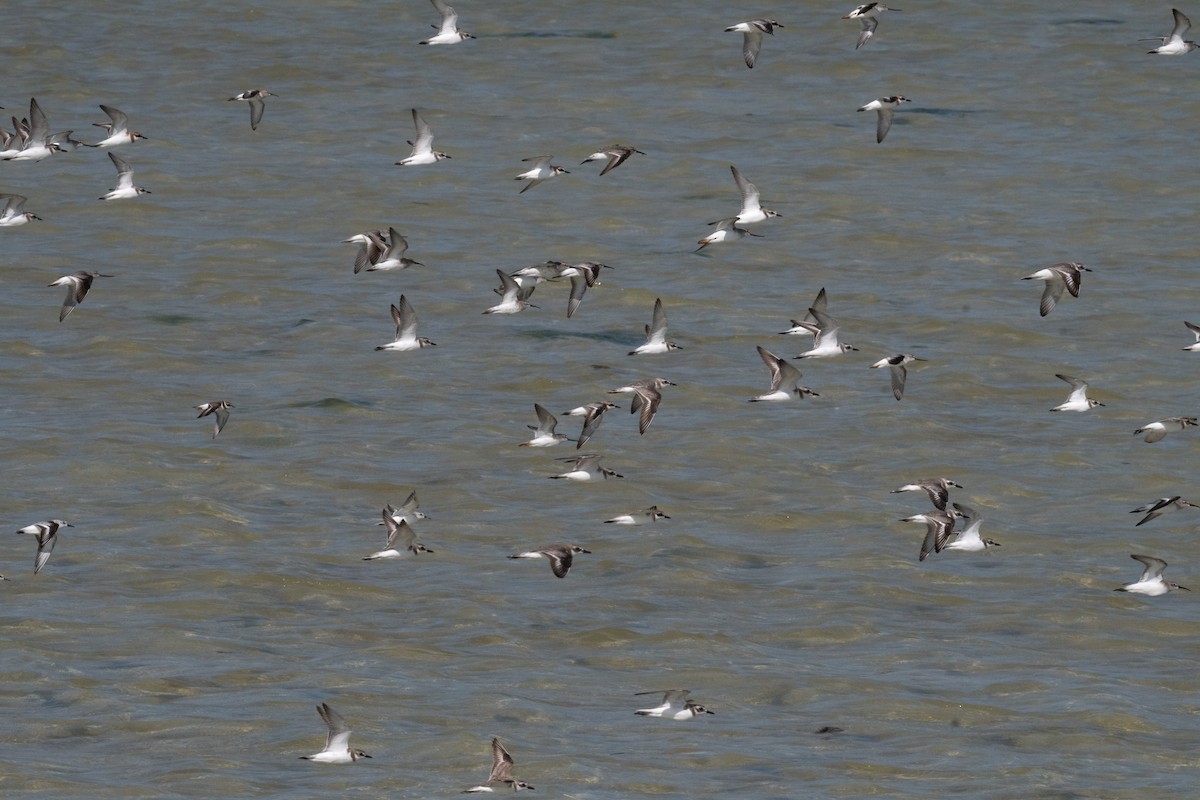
(211,591)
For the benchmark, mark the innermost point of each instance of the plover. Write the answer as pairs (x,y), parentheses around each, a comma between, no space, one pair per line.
(401,539)
(560,556)
(220,410)
(405,319)
(1160,507)
(753,31)
(970,539)
(407,512)
(371,245)
(422,148)
(899,372)
(939,526)
(866,14)
(1195,329)
(825,332)
(938,490)
(1077,400)
(12,215)
(647,396)
(543,432)
(392,256)
(124,188)
(886,108)
(1155,431)
(616,155)
(38,141)
(593,414)
(727,231)
(542,170)
(784,379)
(514,298)
(337,740)
(117,129)
(78,284)
(752,210)
(651,514)
(675,705)
(448,32)
(656,333)
(47,534)
(586,467)
(257,106)
(502,768)
(1152,582)
(1174,44)
(808,326)
(1065,275)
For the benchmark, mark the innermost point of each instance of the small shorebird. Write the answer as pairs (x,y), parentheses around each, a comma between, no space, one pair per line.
(1194,346)
(408,510)
(866,14)
(586,467)
(752,38)
(448,32)
(543,432)
(784,379)
(616,155)
(78,284)
(647,396)
(117,129)
(1155,431)
(371,245)
(502,768)
(938,490)
(825,332)
(219,408)
(970,539)
(257,106)
(1152,582)
(12,215)
(1174,44)
(560,556)
(124,188)
(651,514)
(514,297)
(406,329)
(727,231)
(1066,275)
(47,535)
(752,210)
(886,108)
(422,148)
(542,170)
(939,526)
(675,705)
(401,539)
(593,414)
(899,372)
(392,255)
(337,740)
(1160,507)
(1077,400)
(656,333)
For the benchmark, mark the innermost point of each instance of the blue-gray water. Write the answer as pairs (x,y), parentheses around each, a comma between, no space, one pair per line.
(212,592)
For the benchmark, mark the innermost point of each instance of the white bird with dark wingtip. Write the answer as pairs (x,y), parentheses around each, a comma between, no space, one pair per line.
(752,210)
(899,371)
(583,276)
(392,256)
(422,147)
(542,170)
(647,396)
(257,106)
(337,740)
(1155,431)
(220,411)
(939,526)
(124,188)
(1195,329)
(646,515)
(560,556)
(656,333)
(371,246)
(727,231)
(38,141)
(1077,400)
(401,539)
(502,768)
(970,540)
(514,298)
(12,215)
(1152,582)
(805,327)
(593,415)
(1066,275)
(1159,507)
(886,108)
(447,32)
(753,31)
(825,331)
(784,379)
(675,705)
(616,156)
(585,467)
(117,129)
(406,329)
(1174,44)
(78,284)
(407,512)
(543,432)
(47,535)
(938,490)
(866,14)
